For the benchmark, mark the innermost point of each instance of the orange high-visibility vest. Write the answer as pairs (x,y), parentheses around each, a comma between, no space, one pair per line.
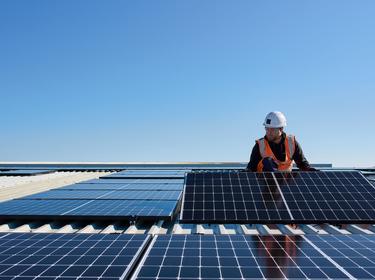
(265,151)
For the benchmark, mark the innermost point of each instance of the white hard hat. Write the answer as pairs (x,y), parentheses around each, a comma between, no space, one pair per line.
(275,120)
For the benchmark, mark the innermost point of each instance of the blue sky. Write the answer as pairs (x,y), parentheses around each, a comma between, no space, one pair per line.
(185,80)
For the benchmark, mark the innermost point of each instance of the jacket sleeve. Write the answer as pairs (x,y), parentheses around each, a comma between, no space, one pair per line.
(254,159)
(300,159)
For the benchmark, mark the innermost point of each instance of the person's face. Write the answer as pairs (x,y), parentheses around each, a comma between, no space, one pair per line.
(273,133)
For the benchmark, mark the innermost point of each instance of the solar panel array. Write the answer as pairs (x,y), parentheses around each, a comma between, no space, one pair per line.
(108,256)
(88,209)
(135,181)
(130,199)
(155,174)
(267,197)
(25,172)
(258,257)
(130,186)
(105,194)
(69,256)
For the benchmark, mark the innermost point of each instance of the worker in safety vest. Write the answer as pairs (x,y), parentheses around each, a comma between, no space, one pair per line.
(276,151)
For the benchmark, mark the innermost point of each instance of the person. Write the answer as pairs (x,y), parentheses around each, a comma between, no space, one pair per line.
(276,151)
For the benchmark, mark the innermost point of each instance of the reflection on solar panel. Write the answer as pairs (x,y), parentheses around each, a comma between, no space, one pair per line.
(69,256)
(278,197)
(235,257)
(114,209)
(146,186)
(134,181)
(328,196)
(100,194)
(354,253)
(25,172)
(234,197)
(155,174)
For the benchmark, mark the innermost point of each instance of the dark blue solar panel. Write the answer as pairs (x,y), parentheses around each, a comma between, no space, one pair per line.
(155,174)
(117,209)
(235,257)
(134,181)
(101,194)
(131,176)
(303,197)
(233,197)
(151,172)
(163,209)
(328,196)
(69,256)
(149,195)
(138,186)
(354,253)
(20,207)
(25,172)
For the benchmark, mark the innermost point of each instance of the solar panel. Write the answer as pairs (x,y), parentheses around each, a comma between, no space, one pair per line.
(154,174)
(134,181)
(354,253)
(120,209)
(106,209)
(233,197)
(19,207)
(146,186)
(239,197)
(328,196)
(145,176)
(69,256)
(234,257)
(102,194)
(25,172)
(151,172)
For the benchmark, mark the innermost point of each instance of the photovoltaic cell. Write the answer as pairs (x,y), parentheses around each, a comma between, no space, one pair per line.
(235,257)
(69,256)
(328,196)
(102,194)
(233,197)
(114,209)
(119,187)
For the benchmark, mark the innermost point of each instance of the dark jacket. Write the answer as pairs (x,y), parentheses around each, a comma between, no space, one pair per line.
(279,152)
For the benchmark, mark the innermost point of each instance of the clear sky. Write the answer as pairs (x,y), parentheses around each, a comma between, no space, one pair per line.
(185,80)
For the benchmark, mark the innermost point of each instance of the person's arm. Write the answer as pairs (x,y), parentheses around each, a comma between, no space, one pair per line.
(300,159)
(254,159)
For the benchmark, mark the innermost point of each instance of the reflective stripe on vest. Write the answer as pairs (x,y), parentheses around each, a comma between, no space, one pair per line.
(291,144)
(265,151)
